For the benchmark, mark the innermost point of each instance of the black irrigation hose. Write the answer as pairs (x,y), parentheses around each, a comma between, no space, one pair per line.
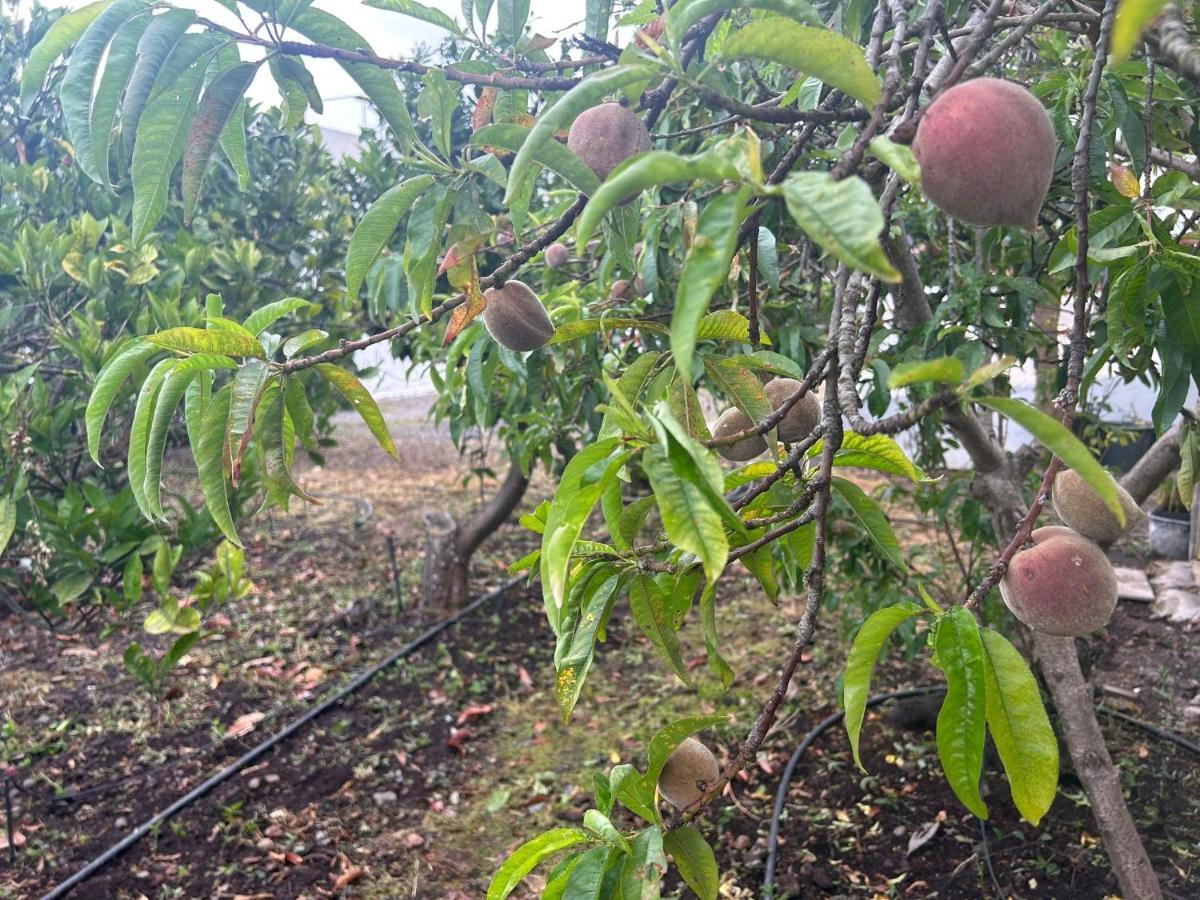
(251,755)
(821,727)
(828,722)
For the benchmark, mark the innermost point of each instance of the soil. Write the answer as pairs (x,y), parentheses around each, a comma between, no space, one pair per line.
(418,785)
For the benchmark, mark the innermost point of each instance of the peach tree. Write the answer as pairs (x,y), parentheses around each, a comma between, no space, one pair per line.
(843,221)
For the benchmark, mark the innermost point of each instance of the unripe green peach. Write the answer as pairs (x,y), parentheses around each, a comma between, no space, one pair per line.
(1063,584)
(986,149)
(605,135)
(1081,508)
(556,256)
(689,766)
(515,316)
(804,415)
(730,422)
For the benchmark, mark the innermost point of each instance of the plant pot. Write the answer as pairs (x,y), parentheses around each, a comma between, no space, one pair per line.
(1125,445)
(1169,532)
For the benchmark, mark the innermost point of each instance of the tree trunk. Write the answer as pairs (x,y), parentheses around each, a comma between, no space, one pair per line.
(1059,662)
(998,479)
(450,545)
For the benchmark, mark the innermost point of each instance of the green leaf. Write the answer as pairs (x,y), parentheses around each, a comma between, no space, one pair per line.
(377,226)
(581,328)
(586,880)
(641,876)
(122,55)
(816,52)
(944,370)
(897,157)
(277,435)
(527,857)
(211,455)
(248,386)
(511,18)
(961,722)
(266,316)
(860,665)
(649,609)
(724,325)
(647,170)
(360,398)
(684,15)
(740,386)
(1181,311)
(233,144)
(602,827)
(704,269)
(58,37)
(872,518)
(551,155)
(689,518)
(298,409)
(301,342)
(579,489)
(1133,18)
(1128,299)
(78,85)
(1059,441)
(159,41)
(8,521)
(161,138)
(415,10)
(108,383)
(843,217)
(378,84)
(169,395)
(1020,727)
(708,622)
(214,112)
(664,742)
(588,608)
(131,579)
(70,587)
(695,860)
(172,620)
(139,434)
(207,340)
(765,361)
(586,94)
(876,451)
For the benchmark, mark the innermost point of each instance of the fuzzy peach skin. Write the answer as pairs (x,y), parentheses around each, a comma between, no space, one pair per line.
(1062,585)
(986,149)
(515,317)
(606,135)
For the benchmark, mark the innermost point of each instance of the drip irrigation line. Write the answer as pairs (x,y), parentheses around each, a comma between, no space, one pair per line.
(260,749)
(1152,729)
(821,727)
(825,724)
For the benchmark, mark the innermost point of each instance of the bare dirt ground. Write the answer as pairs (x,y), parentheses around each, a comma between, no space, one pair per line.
(419,784)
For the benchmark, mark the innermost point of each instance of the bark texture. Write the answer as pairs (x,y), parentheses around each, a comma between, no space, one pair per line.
(1059,662)
(450,544)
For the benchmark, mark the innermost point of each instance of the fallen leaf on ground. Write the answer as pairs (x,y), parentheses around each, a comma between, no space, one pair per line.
(245,723)
(923,836)
(473,712)
(348,878)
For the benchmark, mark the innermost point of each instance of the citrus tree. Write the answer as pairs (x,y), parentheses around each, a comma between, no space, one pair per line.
(844,221)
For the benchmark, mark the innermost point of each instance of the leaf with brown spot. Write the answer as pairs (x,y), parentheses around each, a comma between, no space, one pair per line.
(465,313)
(483,108)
